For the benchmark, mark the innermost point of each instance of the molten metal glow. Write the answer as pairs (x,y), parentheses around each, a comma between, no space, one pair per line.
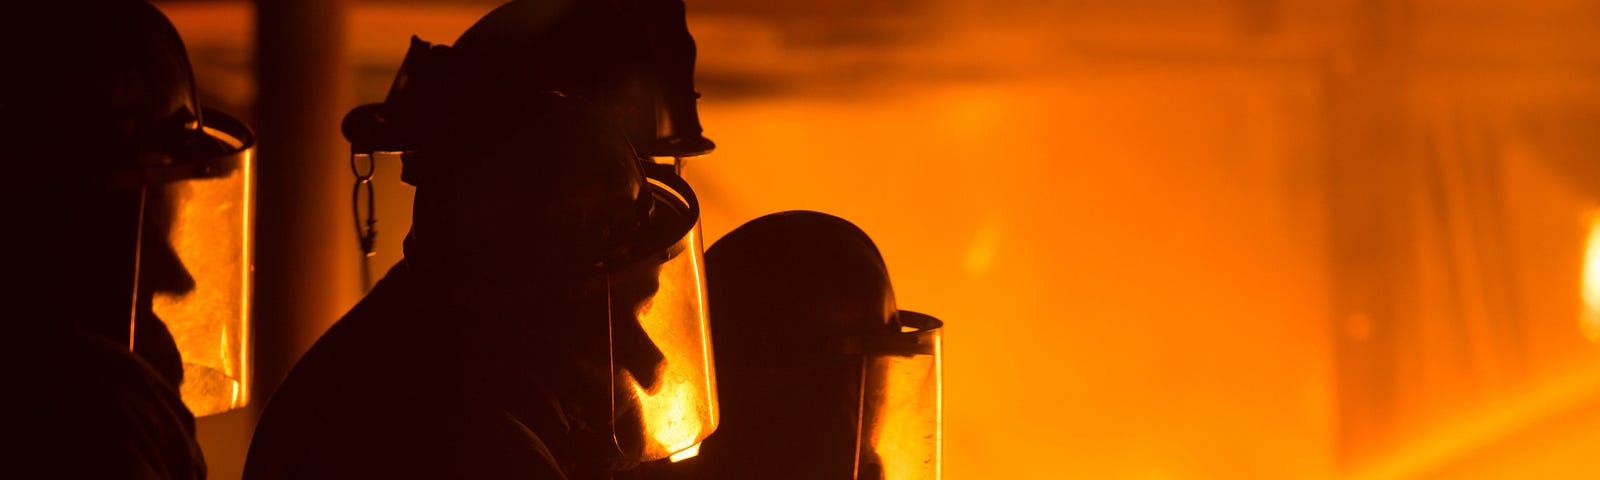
(211,235)
(1590,322)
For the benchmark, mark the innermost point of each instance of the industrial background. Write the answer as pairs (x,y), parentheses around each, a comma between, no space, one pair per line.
(1169,238)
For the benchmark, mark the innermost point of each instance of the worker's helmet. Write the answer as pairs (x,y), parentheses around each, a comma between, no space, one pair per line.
(813,350)
(128,205)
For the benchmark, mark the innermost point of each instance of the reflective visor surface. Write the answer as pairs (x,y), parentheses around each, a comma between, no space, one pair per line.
(677,408)
(664,390)
(207,223)
(901,437)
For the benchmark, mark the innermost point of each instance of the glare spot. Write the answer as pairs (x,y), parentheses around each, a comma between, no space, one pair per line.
(1589,323)
(671,416)
(687,453)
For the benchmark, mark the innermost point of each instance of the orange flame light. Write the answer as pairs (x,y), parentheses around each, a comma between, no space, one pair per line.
(1590,322)
(671,421)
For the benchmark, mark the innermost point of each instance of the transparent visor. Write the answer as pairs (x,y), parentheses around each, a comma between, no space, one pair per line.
(194,272)
(902,403)
(664,399)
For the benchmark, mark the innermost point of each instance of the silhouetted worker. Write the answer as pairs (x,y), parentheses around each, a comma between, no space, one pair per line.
(821,376)
(76,405)
(101,136)
(547,320)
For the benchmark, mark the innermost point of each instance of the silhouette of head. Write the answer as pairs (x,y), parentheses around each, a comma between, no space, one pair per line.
(533,211)
(99,110)
(631,60)
(633,57)
(785,291)
(544,225)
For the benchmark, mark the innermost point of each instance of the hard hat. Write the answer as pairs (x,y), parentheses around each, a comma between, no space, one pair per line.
(822,376)
(631,59)
(125,184)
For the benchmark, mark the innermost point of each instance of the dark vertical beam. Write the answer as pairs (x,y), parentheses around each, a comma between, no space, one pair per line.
(1371,165)
(306,262)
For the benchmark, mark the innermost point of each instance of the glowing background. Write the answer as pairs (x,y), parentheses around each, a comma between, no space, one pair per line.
(1169,239)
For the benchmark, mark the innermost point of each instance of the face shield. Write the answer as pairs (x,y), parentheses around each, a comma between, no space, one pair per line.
(664,399)
(192,274)
(902,401)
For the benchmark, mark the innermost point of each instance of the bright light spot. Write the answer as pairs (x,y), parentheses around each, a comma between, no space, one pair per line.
(1590,322)
(671,416)
(687,453)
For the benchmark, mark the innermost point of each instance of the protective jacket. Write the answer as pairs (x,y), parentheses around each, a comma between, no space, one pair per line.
(399,388)
(76,405)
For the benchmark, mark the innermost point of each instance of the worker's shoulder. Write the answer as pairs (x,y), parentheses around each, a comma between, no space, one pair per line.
(373,352)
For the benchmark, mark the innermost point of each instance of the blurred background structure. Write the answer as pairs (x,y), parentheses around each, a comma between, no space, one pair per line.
(1170,239)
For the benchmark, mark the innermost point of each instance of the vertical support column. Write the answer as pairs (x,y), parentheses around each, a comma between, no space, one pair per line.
(1371,167)
(306,256)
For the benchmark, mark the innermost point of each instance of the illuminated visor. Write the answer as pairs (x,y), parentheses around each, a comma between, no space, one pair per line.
(664,398)
(900,436)
(195,249)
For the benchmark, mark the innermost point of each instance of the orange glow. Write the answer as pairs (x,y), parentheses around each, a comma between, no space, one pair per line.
(1481,436)
(211,235)
(670,417)
(687,453)
(1103,300)
(1590,323)
(683,409)
(1237,239)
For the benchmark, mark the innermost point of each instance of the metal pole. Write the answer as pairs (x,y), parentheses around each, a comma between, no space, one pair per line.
(306,271)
